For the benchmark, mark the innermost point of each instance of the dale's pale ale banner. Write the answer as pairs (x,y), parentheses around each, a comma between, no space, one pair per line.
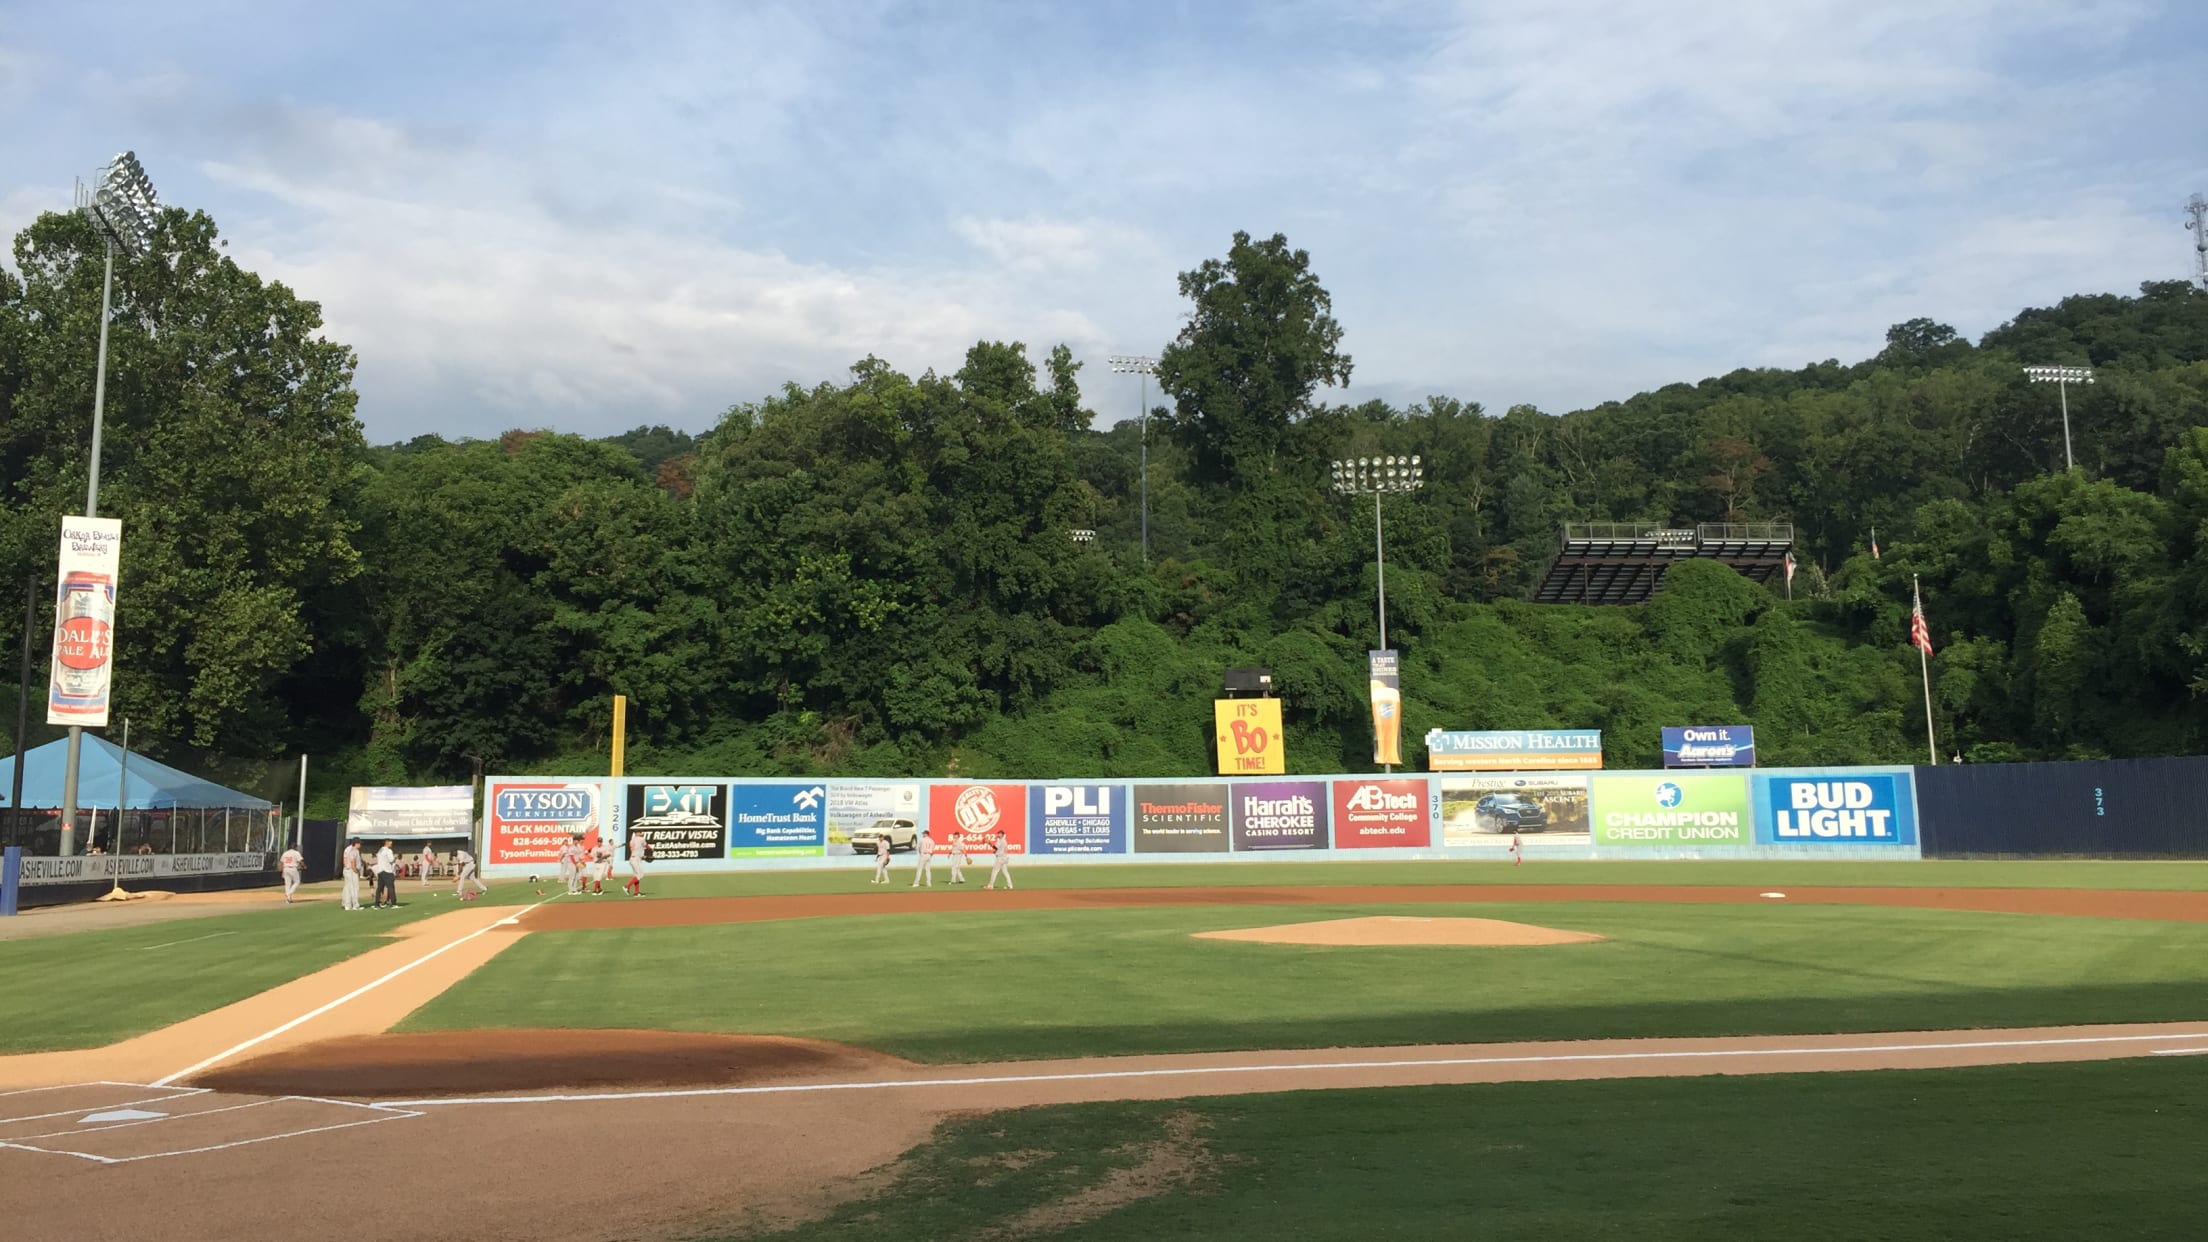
(84,622)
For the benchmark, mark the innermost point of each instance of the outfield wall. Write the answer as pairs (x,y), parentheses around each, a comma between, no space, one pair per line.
(742,823)
(2114,808)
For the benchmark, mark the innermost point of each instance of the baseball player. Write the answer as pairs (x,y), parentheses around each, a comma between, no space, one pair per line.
(601,866)
(1001,853)
(289,864)
(429,863)
(923,851)
(387,878)
(464,863)
(571,865)
(1517,851)
(959,858)
(640,852)
(350,866)
(881,859)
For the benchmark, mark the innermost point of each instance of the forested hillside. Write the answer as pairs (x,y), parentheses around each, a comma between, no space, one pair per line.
(876,574)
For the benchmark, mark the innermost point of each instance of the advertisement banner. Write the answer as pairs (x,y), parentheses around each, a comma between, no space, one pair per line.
(1683,809)
(1710,746)
(83,868)
(1385,682)
(1077,819)
(1836,808)
(1488,810)
(1249,737)
(531,819)
(777,821)
(411,811)
(969,813)
(84,622)
(1382,814)
(1180,819)
(1514,750)
(1280,815)
(682,822)
(853,805)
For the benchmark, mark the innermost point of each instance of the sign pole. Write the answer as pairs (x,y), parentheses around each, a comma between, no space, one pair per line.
(620,733)
(22,714)
(122,801)
(299,821)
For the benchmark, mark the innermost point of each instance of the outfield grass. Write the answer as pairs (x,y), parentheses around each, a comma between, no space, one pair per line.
(87,989)
(851,874)
(2063,1152)
(987,986)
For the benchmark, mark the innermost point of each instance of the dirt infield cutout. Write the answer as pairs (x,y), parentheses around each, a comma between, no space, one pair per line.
(1392,930)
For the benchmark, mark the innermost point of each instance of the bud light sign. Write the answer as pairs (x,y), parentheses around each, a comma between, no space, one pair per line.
(1852,808)
(1710,746)
(1077,819)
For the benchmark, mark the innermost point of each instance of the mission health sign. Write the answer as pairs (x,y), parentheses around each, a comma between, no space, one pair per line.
(1514,750)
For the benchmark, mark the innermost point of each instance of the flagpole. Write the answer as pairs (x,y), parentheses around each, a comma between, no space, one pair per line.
(1924,667)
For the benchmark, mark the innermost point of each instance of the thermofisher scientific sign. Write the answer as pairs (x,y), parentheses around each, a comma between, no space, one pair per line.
(1710,746)
(84,622)
(1514,750)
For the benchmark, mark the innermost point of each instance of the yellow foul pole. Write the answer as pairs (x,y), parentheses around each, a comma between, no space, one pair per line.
(620,731)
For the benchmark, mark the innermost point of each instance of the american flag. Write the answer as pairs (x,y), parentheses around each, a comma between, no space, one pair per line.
(1920,634)
(1790,569)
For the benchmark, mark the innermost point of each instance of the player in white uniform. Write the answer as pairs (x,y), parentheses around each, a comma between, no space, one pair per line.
(571,865)
(387,878)
(464,863)
(429,863)
(601,866)
(959,857)
(289,864)
(1002,854)
(923,851)
(351,867)
(640,852)
(881,859)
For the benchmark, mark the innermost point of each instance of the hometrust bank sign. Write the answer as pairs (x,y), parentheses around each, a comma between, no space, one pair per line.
(1513,750)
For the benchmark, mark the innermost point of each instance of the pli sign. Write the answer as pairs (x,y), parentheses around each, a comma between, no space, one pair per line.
(1710,746)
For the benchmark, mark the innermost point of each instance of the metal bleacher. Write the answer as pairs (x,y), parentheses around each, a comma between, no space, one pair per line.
(1624,562)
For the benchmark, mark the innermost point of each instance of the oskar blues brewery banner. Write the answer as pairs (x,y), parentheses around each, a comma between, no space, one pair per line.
(529,819)
(1643,810)
(411,811)
(1077,819)
(1280,815)
(774,821)
(1180,819)
(970,813)
(1381,814)
(1514,750)
(84,622)
(1710,746)
(681,821)
(1831,809)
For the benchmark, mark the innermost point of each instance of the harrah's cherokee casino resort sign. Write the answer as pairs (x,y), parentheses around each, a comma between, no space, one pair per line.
(1514,750)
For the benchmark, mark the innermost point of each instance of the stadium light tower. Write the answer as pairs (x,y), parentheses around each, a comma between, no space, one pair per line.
(1136,364)
(2062,378)
(2198,211)
(122,206)
(1376,477)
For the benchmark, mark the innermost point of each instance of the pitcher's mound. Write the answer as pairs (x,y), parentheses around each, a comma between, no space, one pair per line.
(429,1063)
(1399,930)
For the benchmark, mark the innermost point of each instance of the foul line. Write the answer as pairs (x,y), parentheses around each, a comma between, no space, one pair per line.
(147,948)
(2181,1052)
(175,1093)
(1197,1071)
(360,991)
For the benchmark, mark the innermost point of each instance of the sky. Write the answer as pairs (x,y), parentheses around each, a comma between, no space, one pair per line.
(590,217)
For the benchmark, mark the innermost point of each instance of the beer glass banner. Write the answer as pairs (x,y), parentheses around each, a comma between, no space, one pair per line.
(1385,681)
(84,622)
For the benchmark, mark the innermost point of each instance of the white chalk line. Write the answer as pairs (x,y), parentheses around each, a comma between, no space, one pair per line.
(389,1114)
(78,1086)
(1303,1067)
(175,1093)
(170,944)
(147,1121)
(356,993)
(2181,1052)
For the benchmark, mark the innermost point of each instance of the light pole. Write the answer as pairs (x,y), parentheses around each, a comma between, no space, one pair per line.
(122,207)
(1082,535)
(2062,378)
(1376,477)
(1136,364)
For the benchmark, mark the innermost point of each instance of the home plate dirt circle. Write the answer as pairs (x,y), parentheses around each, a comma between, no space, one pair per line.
(1399,930)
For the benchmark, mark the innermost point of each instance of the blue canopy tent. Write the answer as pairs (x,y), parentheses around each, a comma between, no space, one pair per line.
(149,787)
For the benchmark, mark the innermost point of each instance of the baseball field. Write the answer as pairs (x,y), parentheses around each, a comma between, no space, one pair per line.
(1654,1050)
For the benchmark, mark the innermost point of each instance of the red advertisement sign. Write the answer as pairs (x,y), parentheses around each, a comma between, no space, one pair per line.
(972,812)
(531,820)
(1381,814)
